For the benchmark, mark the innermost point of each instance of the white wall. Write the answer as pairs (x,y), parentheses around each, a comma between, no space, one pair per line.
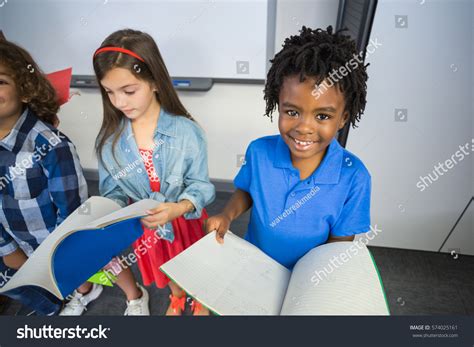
(426,68)
(74,30)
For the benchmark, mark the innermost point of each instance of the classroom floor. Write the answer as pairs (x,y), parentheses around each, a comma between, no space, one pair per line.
(416,282)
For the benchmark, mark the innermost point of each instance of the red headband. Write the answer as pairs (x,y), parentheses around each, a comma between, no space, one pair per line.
(118,49)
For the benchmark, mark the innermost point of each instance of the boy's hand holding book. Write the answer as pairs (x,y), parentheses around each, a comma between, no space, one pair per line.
(220,223)
(240,202)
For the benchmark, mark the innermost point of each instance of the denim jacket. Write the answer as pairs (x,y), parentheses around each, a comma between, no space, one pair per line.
(180,161)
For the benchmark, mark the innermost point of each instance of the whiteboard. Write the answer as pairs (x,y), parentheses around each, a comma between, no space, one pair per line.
(219,39)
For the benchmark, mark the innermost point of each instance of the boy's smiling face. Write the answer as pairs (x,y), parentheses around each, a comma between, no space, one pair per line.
(10,102)
(308,124)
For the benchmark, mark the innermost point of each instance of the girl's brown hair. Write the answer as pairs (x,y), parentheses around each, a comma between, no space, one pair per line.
(32,85)
(153,70)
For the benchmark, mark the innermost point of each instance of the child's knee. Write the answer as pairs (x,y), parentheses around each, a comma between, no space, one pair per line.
(15,260)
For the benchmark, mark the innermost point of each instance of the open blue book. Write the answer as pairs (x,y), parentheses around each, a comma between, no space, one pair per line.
(84,243)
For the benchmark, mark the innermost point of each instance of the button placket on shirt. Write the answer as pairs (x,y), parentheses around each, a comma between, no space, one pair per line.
(293,178)
(158,159)
(297,191)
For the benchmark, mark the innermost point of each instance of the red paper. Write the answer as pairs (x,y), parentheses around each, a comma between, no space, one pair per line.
(61,81)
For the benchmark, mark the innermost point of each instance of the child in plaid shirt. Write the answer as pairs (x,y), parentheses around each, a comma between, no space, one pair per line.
(41,180)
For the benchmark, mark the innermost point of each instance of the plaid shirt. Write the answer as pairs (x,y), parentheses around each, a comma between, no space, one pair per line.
(41,183)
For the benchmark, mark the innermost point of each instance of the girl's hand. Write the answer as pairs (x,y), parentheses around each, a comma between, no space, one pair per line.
(220,223)
(164,213)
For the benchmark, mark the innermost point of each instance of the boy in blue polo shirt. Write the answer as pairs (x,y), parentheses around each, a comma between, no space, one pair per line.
(303,187)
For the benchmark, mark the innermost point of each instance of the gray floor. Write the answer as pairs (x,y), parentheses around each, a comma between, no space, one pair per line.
(416,282)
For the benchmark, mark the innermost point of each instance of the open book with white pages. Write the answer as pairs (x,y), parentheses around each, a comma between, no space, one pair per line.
(237,278)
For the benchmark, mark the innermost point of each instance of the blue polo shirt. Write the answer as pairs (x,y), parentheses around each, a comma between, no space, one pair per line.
(291,216)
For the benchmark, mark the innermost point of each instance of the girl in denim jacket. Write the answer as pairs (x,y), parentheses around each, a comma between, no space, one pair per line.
(149,146)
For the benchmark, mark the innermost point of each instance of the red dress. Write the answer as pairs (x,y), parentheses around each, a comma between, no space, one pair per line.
(186,232)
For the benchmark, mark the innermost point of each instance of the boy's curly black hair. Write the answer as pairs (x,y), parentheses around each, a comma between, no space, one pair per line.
(315,54)
(32,85)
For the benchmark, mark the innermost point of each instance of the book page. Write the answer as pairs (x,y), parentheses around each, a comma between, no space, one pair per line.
(36,270)
(337,278)
(136,209)
(234,278)
(92,209)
